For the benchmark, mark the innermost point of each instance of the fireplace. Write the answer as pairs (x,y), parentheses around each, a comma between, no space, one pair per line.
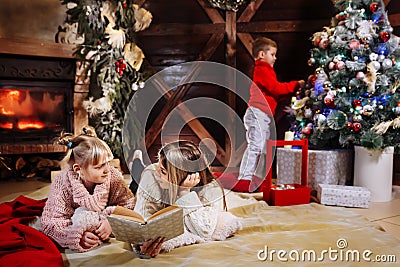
(42,88)
(37,100)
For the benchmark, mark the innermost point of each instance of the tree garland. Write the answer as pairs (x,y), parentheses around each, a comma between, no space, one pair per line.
(229,5)
(105,40)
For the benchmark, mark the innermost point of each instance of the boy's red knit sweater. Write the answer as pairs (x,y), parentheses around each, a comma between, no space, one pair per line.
(266,89)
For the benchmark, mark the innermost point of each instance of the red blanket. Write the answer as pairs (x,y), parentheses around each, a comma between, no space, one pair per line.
(21,245)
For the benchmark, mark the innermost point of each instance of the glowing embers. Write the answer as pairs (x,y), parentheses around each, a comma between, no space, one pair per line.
(22,109)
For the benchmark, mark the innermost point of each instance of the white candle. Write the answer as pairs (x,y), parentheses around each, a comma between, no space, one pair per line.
(289,136)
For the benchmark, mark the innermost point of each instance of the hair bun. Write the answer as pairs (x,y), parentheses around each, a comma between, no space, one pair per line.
(65,139)
(89,131)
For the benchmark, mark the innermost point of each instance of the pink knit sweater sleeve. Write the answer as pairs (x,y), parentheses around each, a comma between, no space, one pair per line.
(56,217)
(120,194)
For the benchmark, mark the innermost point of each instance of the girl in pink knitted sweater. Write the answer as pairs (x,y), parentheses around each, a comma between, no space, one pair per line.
(91,186)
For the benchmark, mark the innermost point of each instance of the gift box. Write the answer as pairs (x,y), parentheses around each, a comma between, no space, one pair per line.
(345,196)
(324,166)
(288,193)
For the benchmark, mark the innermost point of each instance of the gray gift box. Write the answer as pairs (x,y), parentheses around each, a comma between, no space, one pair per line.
(345,196)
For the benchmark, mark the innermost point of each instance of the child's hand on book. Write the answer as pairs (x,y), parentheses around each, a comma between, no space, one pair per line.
(191,180)
(151,248)
(104,230)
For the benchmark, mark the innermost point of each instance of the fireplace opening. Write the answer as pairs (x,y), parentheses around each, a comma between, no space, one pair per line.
(34,112)
(36,102)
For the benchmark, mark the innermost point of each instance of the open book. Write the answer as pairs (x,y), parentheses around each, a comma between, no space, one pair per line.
(128,225)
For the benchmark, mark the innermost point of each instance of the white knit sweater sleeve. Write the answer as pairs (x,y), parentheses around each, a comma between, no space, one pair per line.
(212,195)
(149,194)
(198,220)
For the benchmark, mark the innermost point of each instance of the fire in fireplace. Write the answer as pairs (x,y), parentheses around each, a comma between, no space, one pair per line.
(34,112)
(36,101)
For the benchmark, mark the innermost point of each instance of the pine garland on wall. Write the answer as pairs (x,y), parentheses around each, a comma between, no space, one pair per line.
(229,5)
(104,34)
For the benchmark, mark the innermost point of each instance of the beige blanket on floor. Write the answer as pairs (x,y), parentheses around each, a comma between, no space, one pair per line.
(305,230)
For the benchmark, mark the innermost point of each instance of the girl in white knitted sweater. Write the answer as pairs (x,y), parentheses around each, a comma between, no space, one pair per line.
(181,177)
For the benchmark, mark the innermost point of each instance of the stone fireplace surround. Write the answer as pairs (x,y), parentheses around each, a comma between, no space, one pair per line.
(81,88)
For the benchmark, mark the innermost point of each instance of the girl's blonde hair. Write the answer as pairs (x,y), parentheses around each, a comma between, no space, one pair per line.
(181,158)
(84,149)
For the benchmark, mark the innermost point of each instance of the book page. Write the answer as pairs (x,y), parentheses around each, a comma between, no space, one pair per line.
(127,214)
(168,209)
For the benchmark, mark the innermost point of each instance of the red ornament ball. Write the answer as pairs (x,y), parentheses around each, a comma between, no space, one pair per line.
(349,125)
(306,130)
(357,126)
(124,5)
(353,44)
(342,15)
(357,103)
(373,7)
(329,101)
(384,36)
(312,78)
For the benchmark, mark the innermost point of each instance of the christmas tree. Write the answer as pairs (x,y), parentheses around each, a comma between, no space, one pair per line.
(352,96)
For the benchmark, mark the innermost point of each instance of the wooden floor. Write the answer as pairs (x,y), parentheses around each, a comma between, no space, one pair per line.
(386,214)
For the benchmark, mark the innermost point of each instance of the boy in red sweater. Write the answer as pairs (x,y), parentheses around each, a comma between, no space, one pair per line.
(264,93)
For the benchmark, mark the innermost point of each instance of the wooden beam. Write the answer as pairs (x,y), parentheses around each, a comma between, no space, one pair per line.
(250,11)
(200,131)
(237,156)
(230,31)
(230,59)
(167,29)
(140,3)
(247,40)
(282,26)
(386,2)
(189,118)
(36,48)
(210,47)
(211,12)
(172,100)
(394,20)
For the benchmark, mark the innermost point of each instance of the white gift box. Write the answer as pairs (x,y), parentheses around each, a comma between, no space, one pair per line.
(345,196)
(324,166)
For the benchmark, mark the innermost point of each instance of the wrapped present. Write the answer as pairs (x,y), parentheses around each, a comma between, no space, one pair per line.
(289,193)
(324,166)
(345,196)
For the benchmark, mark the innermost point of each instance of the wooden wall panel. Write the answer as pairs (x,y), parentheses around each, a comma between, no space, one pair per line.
(176,37)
